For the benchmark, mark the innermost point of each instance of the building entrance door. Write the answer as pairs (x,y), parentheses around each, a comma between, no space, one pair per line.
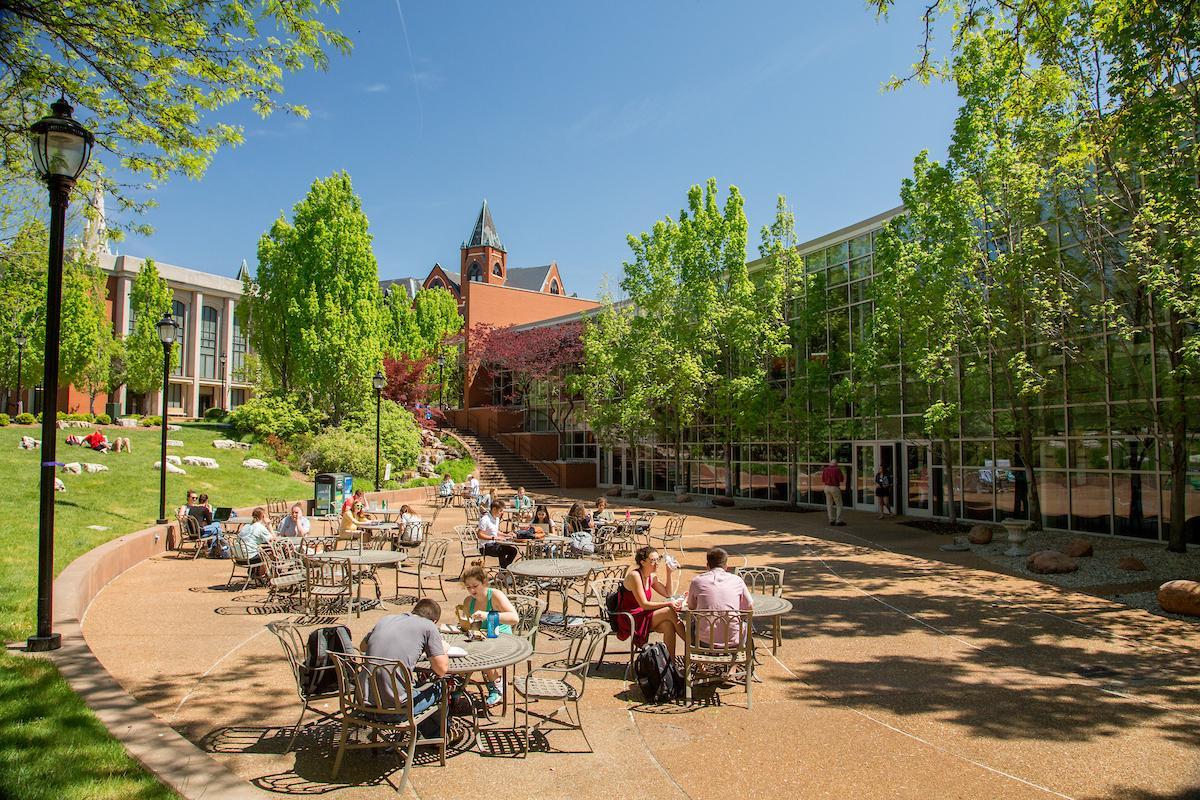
(868,456)
(915,488)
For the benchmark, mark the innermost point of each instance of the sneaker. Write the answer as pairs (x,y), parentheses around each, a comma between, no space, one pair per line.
(494,698)
(839,522)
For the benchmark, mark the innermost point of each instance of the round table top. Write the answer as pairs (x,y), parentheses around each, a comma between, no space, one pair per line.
(768,605)
(554,567)
(365,558)
(238,520)
(555,540)
(372,525)
(503,651)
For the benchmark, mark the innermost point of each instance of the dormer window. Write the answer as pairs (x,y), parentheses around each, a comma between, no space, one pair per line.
(554,286)
(474,273)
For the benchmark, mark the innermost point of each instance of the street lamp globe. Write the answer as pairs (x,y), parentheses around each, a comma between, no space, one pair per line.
(166,329)
(441,359)
(61,146)
(21,340)
(379,382)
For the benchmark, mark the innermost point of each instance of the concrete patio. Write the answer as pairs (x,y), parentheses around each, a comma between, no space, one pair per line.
(900,676)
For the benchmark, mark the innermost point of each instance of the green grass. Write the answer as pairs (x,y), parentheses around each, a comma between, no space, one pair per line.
(459,469)
(51,746)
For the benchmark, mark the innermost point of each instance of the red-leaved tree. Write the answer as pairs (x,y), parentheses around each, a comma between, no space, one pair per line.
(406,385)
(542,356)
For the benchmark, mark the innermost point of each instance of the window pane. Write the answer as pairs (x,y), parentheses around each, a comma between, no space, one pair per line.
(1090,502)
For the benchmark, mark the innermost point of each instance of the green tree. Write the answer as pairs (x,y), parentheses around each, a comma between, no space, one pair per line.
(437,318)
(314,311)
(85,329)
(608,375)
(402,337)
(149,299)
(147,71)
(23,302)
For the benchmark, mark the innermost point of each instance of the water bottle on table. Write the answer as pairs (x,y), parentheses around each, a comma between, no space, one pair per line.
(493,622)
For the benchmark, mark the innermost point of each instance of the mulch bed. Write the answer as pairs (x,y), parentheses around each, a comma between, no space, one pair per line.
(940,527)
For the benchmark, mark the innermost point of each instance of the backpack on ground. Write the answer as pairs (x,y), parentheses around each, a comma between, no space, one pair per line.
(320,673)
(656,674)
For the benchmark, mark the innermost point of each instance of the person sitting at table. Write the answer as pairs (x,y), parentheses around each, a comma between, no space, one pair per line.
(602,515)
(446,489)
(635,597)
(200,510)
(489,535)
(718,590)
(254,536)
(522,504)
(472,487)
(351,518)
(482,600)
(295,523)
(407,514)
(540,526)
(359,496)
(410,638)
(577,519)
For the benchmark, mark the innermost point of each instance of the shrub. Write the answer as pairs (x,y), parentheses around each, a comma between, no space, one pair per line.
(77,417)
(278,469)
(25,418)
(214,413)
(413,482)
(4,420)
(278,447)
(269,414)
(340,450)
(400,443)
(459,469)
(103,419)
(151,422)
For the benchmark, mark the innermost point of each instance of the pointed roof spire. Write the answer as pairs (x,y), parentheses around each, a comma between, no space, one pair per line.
(95,233)
(243,271)
(484,234)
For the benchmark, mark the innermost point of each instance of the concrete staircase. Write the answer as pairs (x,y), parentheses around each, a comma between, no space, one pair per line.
(499,468)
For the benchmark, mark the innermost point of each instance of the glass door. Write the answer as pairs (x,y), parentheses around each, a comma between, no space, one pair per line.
(916,480)
(864,475)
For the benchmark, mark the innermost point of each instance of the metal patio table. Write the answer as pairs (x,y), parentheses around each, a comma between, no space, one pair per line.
(555,574)
(364,558)
(768,606)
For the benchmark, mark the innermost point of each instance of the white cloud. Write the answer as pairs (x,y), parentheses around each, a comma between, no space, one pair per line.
(376,88)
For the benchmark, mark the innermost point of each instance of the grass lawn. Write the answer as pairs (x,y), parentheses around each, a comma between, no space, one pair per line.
(51,746)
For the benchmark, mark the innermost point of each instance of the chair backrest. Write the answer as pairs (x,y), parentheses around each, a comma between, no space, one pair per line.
(530,610)
(368,687)
(647,516)
(713,633)
(468,540)
(415,532)
(617,571)
(601,588)
(674,527)
(317,544)
(237,548)
(762,580)
(433,553)
(327,573)
(582,649)
(191,527)
(603,538)
(294,648)
(499,577)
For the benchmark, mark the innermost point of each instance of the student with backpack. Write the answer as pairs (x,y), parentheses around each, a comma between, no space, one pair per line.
(635,598)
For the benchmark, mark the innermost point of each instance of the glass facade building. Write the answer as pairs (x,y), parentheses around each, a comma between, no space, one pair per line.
(1098,467)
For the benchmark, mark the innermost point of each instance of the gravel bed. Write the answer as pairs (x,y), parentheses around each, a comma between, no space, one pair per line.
(1101,568)
(1149,602)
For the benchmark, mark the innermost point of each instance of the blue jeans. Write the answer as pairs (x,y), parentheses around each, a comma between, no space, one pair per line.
(427,696)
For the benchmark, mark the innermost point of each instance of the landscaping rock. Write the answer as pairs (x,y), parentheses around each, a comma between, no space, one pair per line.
(171,468)
(981,534)
(229,444)
(174,443)
(92,469)
(683,498)
(29,443)
(646,496)
(1078,548)
(174,460)
(1050,562)
(126,422)
(200,461)
(254,463)
(1131,564)
(959,545)
(73,467)
(723,502)
(614,492)
(174,428)
(59,486)
(1180,597)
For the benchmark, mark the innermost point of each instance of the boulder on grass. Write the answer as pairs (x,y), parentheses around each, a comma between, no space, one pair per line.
(722,501)
(29,443)
(127,422)
(981,534)
(59,486)
(614,492)
(1078,548)
(1131,564)
(92,469)
(1180,597)
(1050,562)
(176,460)
(200,461)
(229,444)
(73,467)
(171,468)
(174,443)
(174,428)
(254,463)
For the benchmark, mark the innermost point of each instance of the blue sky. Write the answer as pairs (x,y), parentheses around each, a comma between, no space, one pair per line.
(579,122)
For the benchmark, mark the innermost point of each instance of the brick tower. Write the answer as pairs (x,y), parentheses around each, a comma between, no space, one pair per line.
(483,257)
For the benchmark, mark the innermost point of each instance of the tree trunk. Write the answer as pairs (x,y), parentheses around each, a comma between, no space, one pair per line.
(1176,537)
(948,478)
(1035,496)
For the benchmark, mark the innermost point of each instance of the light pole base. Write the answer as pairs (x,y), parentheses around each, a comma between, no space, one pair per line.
(161,521)
(43,644)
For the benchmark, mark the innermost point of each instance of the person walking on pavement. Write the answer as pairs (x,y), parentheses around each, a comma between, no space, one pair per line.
(832,477)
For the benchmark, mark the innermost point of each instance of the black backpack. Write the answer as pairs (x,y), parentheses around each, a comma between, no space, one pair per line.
(612,604)
(320,673)
(657,676)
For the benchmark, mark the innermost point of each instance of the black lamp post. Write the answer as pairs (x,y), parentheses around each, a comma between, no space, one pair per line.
(378,382)
(224,386)
(166,335)
(21,341)
(61,148)
(441,380)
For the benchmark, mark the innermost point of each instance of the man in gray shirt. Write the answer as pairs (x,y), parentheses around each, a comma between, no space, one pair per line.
(410,638)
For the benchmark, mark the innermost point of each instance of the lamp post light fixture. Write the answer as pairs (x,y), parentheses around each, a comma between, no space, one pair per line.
(441,381)
(379,382)
(21,342)
(166,335)
(61,148)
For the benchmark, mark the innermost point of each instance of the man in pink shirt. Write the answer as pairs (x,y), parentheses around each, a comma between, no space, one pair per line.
(718,590)
(831,476)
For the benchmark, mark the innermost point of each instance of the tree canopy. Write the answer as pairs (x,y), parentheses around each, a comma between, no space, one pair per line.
(149,298)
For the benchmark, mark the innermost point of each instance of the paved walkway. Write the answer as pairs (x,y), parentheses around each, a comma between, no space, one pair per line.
(899,677)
